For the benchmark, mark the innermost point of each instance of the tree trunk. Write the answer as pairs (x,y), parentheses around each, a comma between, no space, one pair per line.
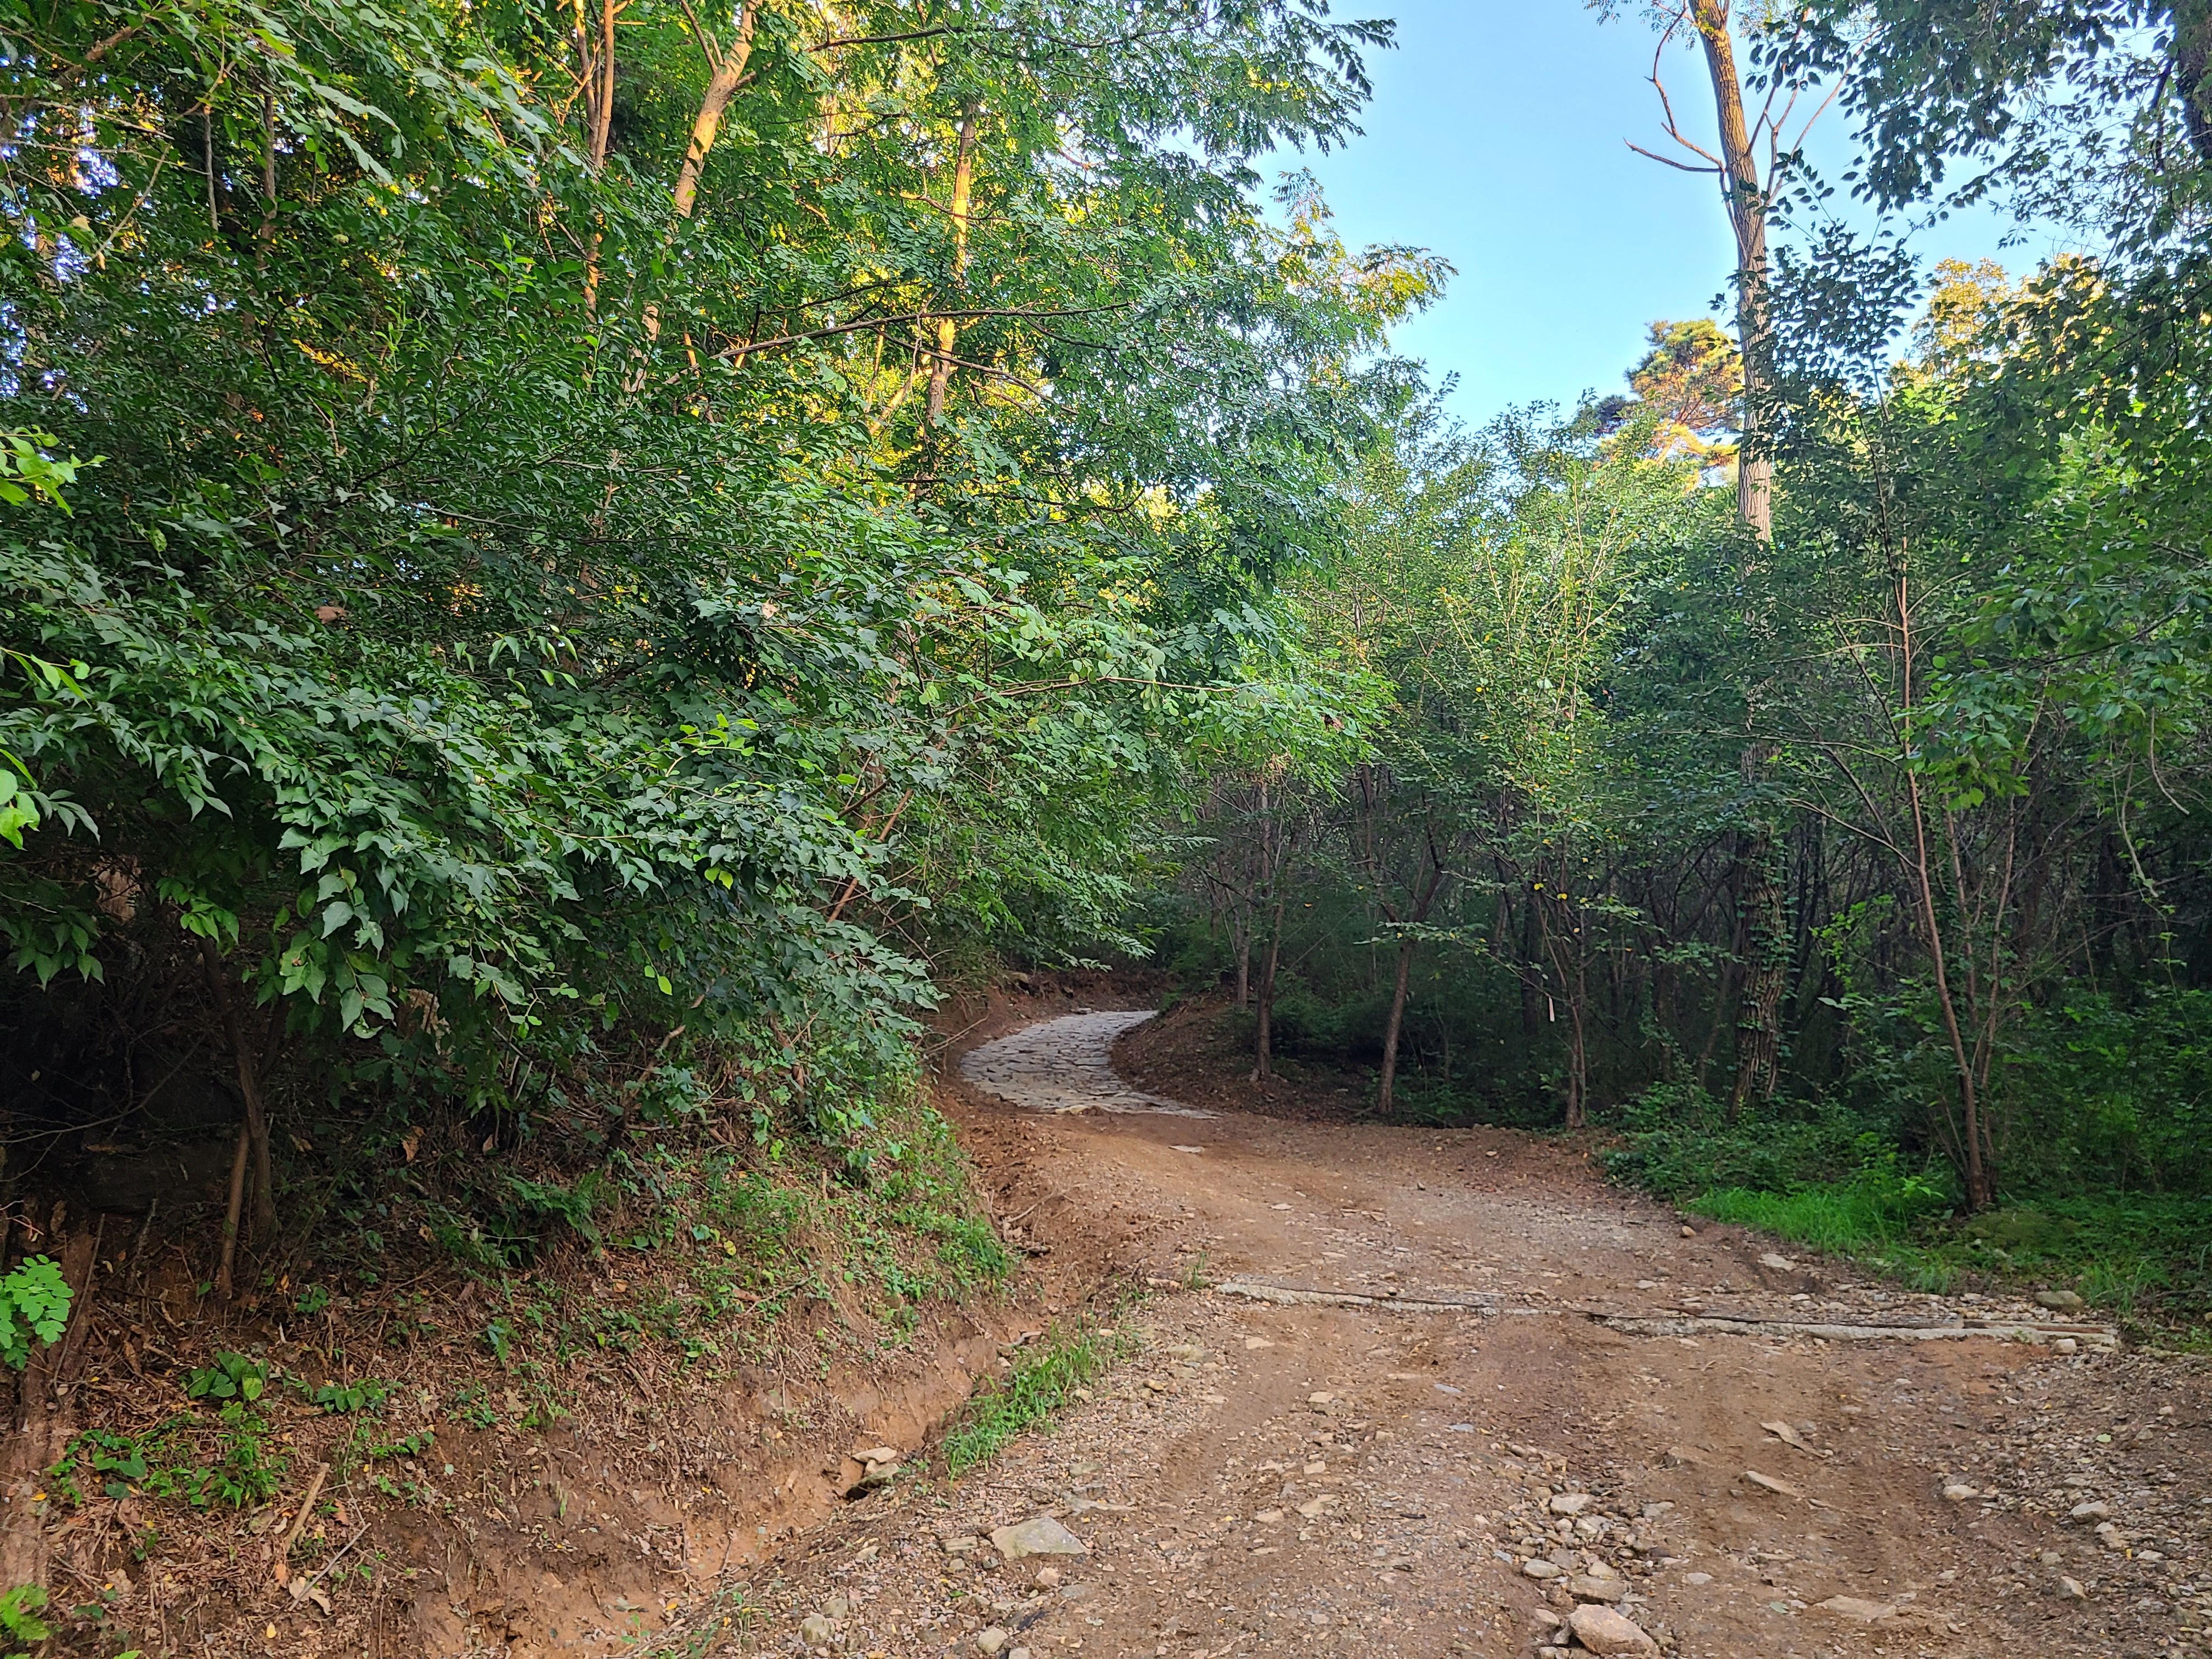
(1385,1092)
(44,1418)
(1263,1046)
(1758,1016)
(963,184)
(255,1128)
(1745,196)
(1423,900)
(2192,52)
(1977,1168)
(728,73)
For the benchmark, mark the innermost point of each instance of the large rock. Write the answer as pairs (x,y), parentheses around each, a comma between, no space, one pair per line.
(2062,1301)
(1042,1536)
(1602,1631)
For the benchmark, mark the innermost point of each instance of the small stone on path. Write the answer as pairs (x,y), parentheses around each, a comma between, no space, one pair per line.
(990,1640)
(1589,1587)
(1539,1568)
(2063,1300)
(1853,1607)
(2070,1590)
(816,1630)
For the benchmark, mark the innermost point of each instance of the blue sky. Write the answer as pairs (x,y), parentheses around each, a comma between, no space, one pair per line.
(1496,139)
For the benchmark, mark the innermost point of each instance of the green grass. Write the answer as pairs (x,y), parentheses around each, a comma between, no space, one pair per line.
(2146,1256)
(1044,1379)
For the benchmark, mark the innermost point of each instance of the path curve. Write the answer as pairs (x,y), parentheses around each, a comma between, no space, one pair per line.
(1066,1065)
(1454,1395)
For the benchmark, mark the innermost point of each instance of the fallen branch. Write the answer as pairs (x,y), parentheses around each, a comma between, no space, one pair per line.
(300,1521)
(2100,1336)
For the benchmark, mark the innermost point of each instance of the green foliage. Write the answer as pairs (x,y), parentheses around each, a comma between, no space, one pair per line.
(34,1304)
(368,1395)
(1044,1378)
(591,611)
(20,1607)
(232,1376)
(200,1461)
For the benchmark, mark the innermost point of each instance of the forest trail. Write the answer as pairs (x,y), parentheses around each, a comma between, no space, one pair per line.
(1305,1478)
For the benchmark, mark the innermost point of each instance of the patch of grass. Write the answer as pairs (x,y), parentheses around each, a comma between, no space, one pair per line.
(1876,1211)
(1043,1381)
(2137,1255)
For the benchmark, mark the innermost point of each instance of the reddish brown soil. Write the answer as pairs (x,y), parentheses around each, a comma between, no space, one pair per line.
(1318,1479)
(1308,1479)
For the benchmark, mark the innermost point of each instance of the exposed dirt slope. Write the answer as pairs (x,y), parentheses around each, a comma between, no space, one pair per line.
(1325,1480)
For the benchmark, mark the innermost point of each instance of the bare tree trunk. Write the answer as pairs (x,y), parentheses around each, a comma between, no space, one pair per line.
(1745,196)
(727,74)
(1264,1035)
(1976,1166)
(1385,1092)
(43,1423)
(2192,52)
(255,1128)
(963,184)
(1759,1016)
(603,103)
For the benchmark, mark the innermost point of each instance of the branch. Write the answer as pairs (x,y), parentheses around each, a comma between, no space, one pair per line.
(1669,161)
(746,348)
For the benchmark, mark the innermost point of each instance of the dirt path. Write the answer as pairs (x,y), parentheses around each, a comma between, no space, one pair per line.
(1457,1452)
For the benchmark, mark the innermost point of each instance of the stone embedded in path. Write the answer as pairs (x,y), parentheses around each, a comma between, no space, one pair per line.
(1570,1503)
(1042,1536)
(1539,1568)
(1589,1587)
(816,1630)
(1852,1607)
(1602,1631)
(991,1640)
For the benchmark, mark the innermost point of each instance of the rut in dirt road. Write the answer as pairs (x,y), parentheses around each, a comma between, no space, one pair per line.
(1449,1451)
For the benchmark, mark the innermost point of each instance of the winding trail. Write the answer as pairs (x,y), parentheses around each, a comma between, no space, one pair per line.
(1066,1065)
(1427,1440)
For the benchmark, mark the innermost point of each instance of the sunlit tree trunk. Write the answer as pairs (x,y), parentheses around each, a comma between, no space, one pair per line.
(727,74)
(948,333)
(1745,196)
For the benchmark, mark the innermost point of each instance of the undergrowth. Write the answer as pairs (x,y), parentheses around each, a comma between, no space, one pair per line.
(1043,1381)
(1829,1181)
